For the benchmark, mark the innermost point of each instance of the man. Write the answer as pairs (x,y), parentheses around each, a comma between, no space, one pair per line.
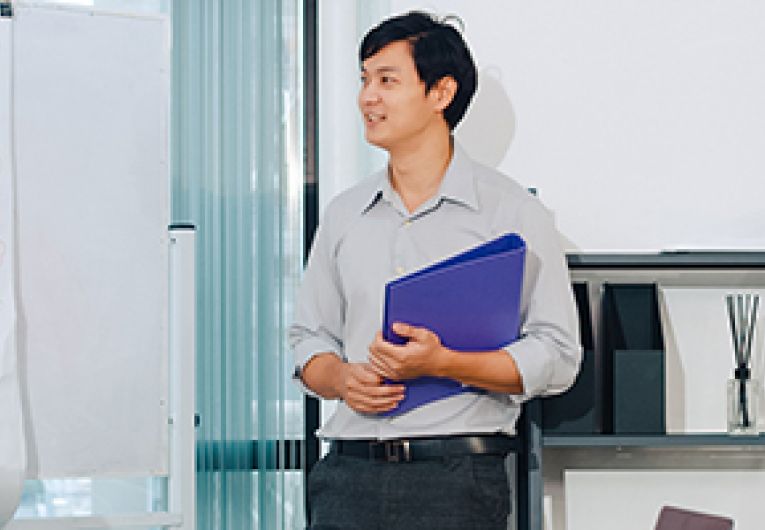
(441,465)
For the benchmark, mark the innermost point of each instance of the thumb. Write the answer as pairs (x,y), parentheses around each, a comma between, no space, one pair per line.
(409,331)
(402,330)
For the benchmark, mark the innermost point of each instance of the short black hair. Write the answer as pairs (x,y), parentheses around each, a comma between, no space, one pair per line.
(438,50)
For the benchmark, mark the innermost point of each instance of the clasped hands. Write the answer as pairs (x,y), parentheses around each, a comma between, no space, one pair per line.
(423,354)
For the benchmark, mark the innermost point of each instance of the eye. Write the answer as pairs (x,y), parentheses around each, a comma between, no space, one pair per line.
(387,80)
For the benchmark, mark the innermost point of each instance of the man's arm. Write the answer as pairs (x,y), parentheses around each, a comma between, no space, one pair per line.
(494,371)
(355,383)
(315,338)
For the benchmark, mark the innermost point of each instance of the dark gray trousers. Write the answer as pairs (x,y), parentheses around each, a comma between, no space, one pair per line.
(459,493)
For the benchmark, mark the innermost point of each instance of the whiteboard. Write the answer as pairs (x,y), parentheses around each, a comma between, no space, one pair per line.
(12,447)
(639,121)
(91,95)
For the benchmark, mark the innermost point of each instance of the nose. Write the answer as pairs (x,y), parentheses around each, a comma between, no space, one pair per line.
(368,94)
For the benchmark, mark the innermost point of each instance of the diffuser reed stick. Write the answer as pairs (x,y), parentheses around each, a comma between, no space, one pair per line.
(742,314)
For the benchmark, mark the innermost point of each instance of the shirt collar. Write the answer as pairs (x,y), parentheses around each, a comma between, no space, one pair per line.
(381,182)
(458,184)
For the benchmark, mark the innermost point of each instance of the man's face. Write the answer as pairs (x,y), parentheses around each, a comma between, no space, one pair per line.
(392,99)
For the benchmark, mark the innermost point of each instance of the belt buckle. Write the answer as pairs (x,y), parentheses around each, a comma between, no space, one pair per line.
(397,451)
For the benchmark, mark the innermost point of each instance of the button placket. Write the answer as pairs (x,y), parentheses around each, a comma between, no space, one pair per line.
(399,263)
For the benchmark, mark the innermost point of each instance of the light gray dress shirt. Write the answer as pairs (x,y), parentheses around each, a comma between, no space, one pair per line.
(367,238)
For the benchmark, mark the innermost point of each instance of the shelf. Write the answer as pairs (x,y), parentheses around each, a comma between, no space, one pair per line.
(593,272)
(731,260)
(666,440)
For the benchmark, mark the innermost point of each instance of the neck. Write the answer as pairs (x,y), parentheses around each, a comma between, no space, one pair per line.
(416,170)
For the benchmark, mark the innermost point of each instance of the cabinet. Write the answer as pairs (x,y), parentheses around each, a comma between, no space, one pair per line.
(596,437)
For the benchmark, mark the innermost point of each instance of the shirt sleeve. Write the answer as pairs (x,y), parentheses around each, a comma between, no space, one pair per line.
(319,312)
(548,352)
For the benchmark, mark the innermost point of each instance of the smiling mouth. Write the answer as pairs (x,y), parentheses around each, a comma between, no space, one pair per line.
(373,118)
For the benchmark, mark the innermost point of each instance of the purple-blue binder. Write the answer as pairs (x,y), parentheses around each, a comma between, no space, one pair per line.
(471,300)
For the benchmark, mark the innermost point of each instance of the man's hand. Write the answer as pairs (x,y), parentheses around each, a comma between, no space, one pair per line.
(422,355)
(355,383)
(364,391)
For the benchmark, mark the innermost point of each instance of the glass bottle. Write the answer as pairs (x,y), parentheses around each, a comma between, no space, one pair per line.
(743,398)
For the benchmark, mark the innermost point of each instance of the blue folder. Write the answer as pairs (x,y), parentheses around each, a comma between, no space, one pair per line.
(471,300)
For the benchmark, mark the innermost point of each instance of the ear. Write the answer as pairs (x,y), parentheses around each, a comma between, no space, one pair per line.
(443,92)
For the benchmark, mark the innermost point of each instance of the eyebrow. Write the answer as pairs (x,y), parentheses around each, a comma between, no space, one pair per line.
(382,69)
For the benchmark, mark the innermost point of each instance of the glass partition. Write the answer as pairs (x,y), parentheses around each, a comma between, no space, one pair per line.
(238,176)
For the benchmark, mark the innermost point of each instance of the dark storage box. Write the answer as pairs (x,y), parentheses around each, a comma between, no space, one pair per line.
(639,392)
(633,393)
(576,411)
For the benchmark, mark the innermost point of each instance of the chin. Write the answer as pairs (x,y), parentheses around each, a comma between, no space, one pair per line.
(376,141)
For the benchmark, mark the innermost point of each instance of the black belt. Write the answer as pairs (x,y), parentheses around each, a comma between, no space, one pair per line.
(408,450)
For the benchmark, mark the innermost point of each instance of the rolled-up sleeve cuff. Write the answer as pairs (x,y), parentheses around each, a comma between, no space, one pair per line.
(534,365)
(304,352)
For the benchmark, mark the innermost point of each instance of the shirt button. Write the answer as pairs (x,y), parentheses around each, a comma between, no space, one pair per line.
(408,222)
(399,270)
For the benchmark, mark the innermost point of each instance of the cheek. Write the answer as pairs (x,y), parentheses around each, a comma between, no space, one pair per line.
(414,117)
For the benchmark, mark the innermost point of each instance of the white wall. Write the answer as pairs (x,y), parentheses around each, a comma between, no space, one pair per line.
(639,122)
(344,156)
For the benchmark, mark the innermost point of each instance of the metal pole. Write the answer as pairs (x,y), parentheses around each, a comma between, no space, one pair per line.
(182,477)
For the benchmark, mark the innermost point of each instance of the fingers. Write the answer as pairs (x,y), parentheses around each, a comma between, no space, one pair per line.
(371,405)
(382,357)
(407,361)
(382,367)
(375,390)
(385,349)
(367,394)
(365,375)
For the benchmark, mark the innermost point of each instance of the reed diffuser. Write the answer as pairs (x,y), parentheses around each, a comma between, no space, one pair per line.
(743,391)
